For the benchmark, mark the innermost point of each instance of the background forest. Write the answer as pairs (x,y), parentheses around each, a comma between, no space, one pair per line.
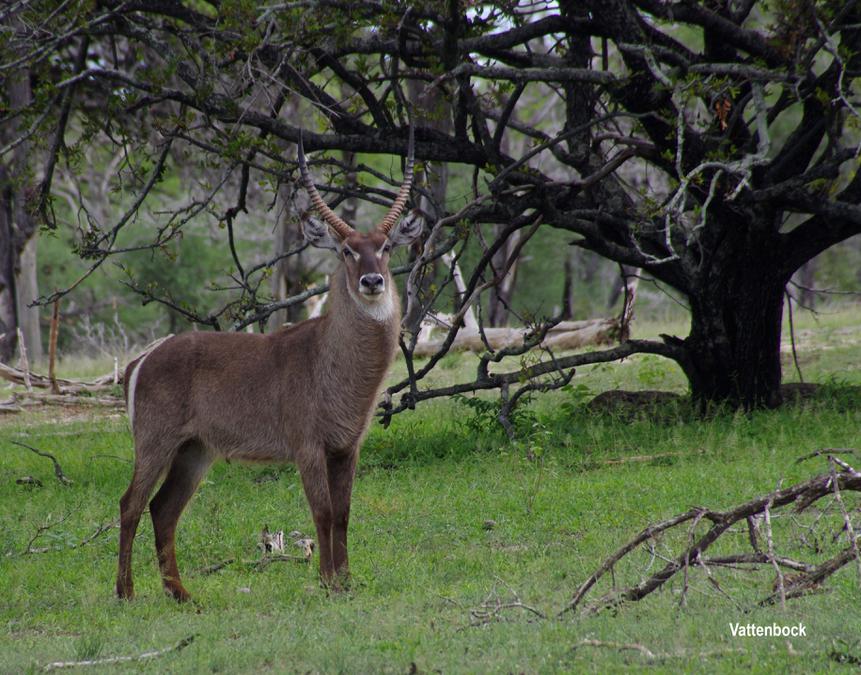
(710,152)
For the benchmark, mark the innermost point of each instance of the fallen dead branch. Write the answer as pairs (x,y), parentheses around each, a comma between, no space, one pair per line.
(10,406)
(655,656)
(215,567)
(71,399)
(256,565)
(809,576)
(47,525)
(21,377)
(58,470)
(647,458)
(493,606)
(564,336)
(95,534)
(621,646)
(182,644)
(65,392)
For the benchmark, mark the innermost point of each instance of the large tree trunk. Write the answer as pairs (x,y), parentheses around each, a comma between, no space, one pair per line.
(27,290)
(16,223)
(732,354)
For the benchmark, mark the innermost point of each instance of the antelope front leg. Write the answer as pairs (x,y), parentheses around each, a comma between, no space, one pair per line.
(313,471)
(342,469)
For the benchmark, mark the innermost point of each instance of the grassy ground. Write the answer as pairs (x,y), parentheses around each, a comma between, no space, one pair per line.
(425,563)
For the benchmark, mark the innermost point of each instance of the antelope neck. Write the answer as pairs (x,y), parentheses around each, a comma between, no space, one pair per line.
(358,329)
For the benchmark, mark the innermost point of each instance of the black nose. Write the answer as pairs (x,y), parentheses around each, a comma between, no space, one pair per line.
(372,282)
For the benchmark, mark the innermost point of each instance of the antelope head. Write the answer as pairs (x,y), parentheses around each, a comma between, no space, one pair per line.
(364,255)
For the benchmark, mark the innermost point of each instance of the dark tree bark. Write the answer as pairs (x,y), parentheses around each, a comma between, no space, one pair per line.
(567,285)
(732,354)
(8,313)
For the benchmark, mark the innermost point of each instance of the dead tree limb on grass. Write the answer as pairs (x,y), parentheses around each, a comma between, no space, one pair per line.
(800,496)
(493,606)
(58,470)
(110,660)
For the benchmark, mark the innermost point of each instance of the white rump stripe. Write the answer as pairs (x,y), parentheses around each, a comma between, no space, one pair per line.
(133,380)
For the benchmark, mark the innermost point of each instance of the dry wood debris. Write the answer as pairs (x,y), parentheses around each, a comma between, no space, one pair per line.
(756,515)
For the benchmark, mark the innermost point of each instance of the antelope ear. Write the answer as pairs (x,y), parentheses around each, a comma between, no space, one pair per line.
(408,230)
(317,234)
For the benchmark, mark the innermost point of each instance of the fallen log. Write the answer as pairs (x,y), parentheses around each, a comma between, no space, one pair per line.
(34,380)
(29,379)
(566,335)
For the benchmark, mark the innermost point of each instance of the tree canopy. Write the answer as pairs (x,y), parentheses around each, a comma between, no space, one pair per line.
(712,144)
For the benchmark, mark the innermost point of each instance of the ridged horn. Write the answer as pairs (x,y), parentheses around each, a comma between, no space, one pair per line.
(403,194)
(332,218)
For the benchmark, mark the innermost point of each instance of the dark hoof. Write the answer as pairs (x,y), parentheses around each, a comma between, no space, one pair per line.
(339,583)
(178,593)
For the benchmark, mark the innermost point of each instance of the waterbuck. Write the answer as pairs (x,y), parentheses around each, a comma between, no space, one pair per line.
(305,393)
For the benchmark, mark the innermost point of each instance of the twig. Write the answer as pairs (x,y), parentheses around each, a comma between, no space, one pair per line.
(653,656)
(808,582)
(52,347)
(100,530)
(58,470)
(759,558)
(182,644)
(850,531)
(792,337)
(625,646)
(644,458)
(827,452)
(492,607)
(215,567)
(781,583)
(39,531)
(25,362)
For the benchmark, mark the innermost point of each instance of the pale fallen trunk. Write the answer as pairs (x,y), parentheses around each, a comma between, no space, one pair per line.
(564,336)
(19,376)
(32,379)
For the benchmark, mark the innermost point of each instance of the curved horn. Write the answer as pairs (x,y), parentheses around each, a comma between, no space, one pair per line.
(323,209)
(403,194)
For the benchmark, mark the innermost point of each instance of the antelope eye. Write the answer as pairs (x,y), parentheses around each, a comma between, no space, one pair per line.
(387,248)
(346,253)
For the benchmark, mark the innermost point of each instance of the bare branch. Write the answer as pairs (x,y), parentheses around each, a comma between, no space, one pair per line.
(58,470)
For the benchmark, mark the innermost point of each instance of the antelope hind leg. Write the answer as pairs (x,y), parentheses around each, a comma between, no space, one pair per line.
(188,469)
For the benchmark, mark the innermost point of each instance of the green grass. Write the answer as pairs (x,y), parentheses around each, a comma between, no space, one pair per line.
(421,556)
